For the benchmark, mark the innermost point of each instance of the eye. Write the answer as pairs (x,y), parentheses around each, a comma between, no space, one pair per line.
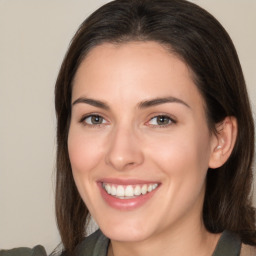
(161,120)
(93,120)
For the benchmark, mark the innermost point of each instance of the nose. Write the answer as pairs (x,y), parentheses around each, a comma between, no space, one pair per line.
(124,150)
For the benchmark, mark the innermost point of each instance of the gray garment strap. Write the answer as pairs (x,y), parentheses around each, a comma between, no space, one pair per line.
(228,245)
(101,246)
(95,244)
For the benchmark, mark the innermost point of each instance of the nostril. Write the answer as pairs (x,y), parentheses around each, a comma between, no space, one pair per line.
(123,163)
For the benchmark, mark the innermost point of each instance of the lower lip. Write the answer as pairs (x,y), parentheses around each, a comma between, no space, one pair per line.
(125,204)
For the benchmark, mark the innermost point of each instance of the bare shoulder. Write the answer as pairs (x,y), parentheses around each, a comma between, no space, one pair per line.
(248,250)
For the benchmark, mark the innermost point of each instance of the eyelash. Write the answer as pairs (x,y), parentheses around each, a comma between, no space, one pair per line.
(83,120)
(171,121)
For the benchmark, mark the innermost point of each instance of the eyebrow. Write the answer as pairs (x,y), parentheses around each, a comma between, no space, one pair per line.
(143,104)
(158,101)
(92,102)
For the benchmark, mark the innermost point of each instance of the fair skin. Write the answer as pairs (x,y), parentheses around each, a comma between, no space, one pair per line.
(138,120)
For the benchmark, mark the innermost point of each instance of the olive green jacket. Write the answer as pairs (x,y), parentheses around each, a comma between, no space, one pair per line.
(96,244)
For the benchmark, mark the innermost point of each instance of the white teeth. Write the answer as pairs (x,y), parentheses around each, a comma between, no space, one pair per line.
(128,191)
(120,191)
(108,188)
(113,190)
(144,189)
(137,190)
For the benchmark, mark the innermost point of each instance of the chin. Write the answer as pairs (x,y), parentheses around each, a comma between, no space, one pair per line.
(125,232)
(124,236)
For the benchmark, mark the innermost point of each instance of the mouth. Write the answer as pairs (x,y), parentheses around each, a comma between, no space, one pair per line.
(127,195)
(128,191)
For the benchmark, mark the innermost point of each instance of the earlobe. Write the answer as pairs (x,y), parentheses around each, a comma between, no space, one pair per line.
(223,142)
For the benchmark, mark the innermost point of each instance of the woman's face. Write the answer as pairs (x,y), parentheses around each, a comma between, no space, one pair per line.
(138,142)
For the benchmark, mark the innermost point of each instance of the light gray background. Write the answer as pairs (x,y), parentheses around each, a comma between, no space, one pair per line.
(34,35)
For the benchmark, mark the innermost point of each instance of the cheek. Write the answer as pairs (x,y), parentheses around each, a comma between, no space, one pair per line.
(184,156)
(84,152)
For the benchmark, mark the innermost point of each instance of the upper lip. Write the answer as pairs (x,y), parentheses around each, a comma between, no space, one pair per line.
(126,181)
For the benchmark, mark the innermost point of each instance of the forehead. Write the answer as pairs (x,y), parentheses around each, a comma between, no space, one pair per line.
(130,57)
(129,68)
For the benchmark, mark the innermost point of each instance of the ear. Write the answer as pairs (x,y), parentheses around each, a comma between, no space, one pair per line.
(223,142)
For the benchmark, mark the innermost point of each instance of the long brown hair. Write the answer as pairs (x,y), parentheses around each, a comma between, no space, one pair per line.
(198,38)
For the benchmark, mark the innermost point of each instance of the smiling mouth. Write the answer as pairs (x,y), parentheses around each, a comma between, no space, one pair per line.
(128,191)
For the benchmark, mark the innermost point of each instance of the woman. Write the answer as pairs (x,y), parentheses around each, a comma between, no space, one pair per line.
(155,135)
